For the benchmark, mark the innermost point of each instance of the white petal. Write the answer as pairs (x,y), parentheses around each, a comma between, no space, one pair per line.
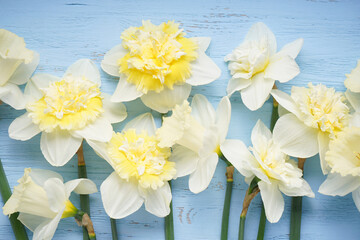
(22,128)
(238,155)
(237,84)
(157,201)
(223,116)
(259,32)
(304,190)
(100,130)
(80,186)
(120,198)
(31,221)
(185,160)
(292,49)
(53,145)
(259,132)
(55,191)
(200,179)
(24,71)
(46,230)
(203,71)
(273,201)
(202,110)
(166,100)
(282,69)
(114,112)
(110,63)
(294,137)
(285,101)
(40,176)
(84,68)
(337,185)
(11,94)
(323,140)
(354,99)
(125,91)
(143,122)
(36,83)
(203,42)
(255,95)
(356,198)
(7,68)
(352,79)
(100,149)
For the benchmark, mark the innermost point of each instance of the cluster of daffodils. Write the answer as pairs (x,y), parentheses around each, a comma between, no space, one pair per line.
(159,64)
(42,199)
(343,155)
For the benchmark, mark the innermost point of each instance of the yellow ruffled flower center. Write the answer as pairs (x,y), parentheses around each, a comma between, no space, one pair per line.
(138,157)
(157,56)
(321,108)
(69,104)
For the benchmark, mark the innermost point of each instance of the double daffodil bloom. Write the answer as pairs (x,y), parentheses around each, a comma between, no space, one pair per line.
(42,199)
(317,114)
(196,135)
(255,65)
(142,169)
(67,110)
(266,161)
(159,64)
(17,64)
(344,159)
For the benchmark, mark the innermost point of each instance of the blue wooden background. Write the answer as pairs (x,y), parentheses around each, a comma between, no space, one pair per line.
(65,31)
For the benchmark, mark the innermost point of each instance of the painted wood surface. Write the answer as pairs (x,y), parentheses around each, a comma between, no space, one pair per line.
(65,31)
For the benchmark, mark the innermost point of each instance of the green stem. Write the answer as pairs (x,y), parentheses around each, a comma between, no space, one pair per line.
(295,220)
(84,198)
(242,227)
(18,228)
(227,201)
(262,223)
(296,209)
(169,223)
(113,229)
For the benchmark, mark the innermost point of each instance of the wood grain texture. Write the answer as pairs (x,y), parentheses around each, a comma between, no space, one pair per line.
(65,31)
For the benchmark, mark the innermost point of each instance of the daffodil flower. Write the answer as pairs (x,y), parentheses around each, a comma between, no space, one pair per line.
(317,114)
(266,161)
(352,81)
(159,64)
(67,110)
(43,200)
(142,170)
(343,158)
(196,135)
(255,65)
(17,64)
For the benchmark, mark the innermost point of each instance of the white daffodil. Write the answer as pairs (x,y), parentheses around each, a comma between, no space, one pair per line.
(317,114)
(67,110)
(17,64)
(159,64)
(276,171)
(344,159)
(142,170)
(352,81)
(42,199)
(196,135)
(354,100)
(255,65)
